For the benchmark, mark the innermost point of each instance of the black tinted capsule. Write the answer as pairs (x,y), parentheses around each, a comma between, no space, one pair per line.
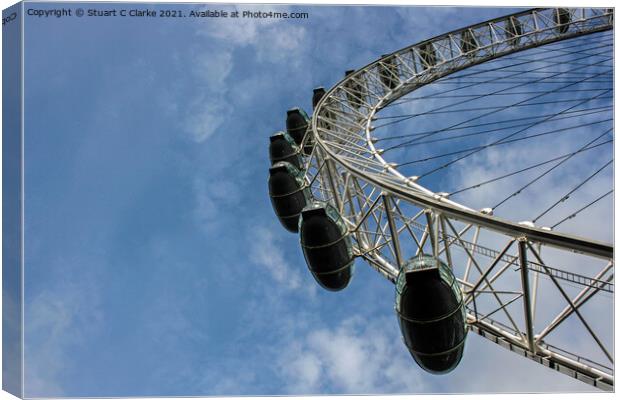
(288,194)
(431,314)
(326,246)
(282,147)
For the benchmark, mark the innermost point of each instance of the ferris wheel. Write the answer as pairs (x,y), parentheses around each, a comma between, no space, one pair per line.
(474,171)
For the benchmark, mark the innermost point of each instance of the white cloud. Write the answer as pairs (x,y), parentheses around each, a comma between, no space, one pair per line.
(57,319)
(241,31)
(205,112)
(282,44)
(266,251)
(207,118)
(306,369)
(273,40)
(213,69)
(213,63)
(211,198)
(357,356)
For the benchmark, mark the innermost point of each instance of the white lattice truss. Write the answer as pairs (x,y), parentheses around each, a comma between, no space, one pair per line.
(391,217)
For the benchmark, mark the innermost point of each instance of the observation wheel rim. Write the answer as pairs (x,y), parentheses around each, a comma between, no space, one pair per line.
(407,189)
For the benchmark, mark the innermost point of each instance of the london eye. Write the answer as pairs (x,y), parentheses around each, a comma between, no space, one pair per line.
(473,171)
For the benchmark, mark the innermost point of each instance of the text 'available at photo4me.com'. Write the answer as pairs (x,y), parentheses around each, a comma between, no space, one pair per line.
(81,12)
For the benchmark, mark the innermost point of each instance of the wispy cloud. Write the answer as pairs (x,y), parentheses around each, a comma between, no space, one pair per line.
(266,251)
(207,117)
(212,64)
(356,356)
(212,198)
(58,319)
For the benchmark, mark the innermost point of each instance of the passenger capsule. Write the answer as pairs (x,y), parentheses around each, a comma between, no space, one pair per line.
(326,246)
(429,57)
(388,72)
(282,147)
(355,91)
(297,122)
(468,43)
(327,117)
(431,314)
(514,30)
(288,193)
(562,19)
(317,95)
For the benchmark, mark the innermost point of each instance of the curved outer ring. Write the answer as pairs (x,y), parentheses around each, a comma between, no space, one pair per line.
(545,31)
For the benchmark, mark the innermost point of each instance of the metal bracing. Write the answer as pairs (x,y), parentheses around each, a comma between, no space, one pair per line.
(525,283)
(393,217)
(578,301)
(573,307)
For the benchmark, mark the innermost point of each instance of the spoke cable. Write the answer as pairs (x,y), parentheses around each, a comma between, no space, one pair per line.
(567,195)
(584,61)
(500,107)
(582,209)
(502,139)
(504,82)
(529,168)
(539,177)
(586,111)
(505,107)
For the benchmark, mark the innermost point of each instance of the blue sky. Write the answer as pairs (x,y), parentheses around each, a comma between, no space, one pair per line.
(154,263)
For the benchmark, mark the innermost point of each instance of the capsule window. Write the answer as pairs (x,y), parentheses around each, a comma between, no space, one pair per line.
(422,262)
(282,147)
